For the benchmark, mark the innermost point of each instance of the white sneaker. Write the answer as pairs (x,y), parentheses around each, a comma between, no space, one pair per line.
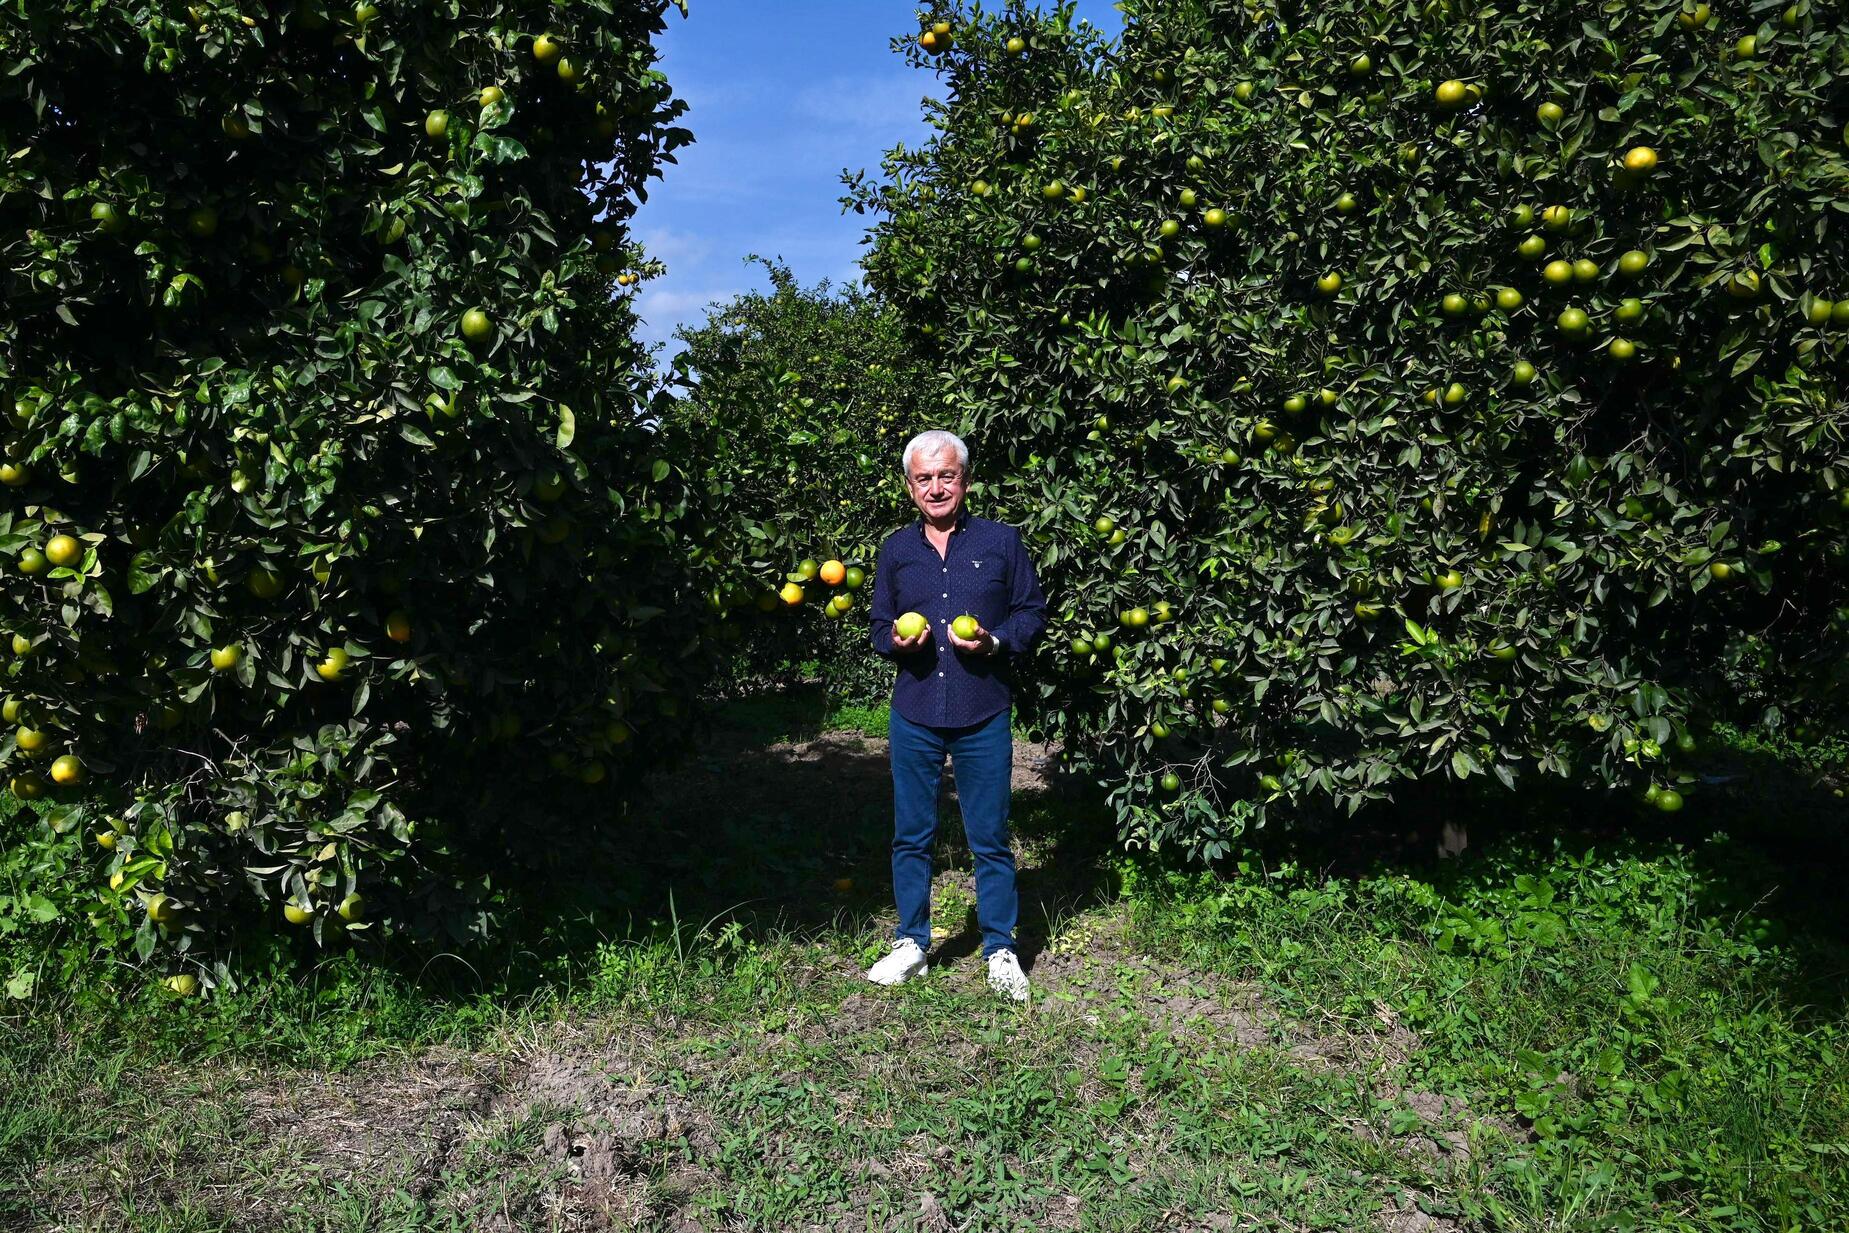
(1006,976)
(905,962)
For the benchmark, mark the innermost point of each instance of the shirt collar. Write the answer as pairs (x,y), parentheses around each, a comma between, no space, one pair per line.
(962,520)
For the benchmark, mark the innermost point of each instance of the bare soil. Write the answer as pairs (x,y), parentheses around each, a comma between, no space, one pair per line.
(584,1125)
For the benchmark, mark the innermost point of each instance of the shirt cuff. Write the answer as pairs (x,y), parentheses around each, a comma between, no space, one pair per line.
(1000,646)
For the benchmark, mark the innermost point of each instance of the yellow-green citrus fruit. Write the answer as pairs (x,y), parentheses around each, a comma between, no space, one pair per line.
(63,550)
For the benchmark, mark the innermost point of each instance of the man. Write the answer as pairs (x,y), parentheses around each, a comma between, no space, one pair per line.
(951,697)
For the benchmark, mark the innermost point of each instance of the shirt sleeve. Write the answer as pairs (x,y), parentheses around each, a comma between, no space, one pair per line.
(885,600)
(1026,605)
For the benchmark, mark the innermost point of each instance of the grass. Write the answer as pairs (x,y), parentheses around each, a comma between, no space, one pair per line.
(1602,1029)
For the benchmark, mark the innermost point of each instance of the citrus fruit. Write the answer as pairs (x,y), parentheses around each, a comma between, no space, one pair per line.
(32,561)
(910,625)
(225,658)
(1451,95)
(1171,782)
(30,739)
(832,573)
(1558,272)
(1523,373)
(1573,321)
(477,326)
(1585,270)
(1532,247)
(1640,160)
(63,550)
(398,626)
(791,594)
(1556,218)
(1329,283)
(808,568)
(67,770)
(296,914)
(546,49)
(965,627)
(1669,801)
(1632,263)
(854,578)
(1508,299)
(1550,114)
(184,984)
(1450,580)
(436,125)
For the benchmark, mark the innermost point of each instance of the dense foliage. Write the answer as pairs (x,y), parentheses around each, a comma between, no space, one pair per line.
(798,403)
(1394,392)
(334,521)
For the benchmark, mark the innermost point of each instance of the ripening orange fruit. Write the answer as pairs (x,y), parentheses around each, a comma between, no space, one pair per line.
(398,626)
(832,572)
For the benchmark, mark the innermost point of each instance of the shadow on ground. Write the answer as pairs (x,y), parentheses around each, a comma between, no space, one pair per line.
(794,835)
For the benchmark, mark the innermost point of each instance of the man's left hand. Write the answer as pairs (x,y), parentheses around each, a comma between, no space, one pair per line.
(982,644)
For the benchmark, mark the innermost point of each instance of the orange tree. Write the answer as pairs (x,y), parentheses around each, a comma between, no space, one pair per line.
(797,404)
(1394,393)
(345,575)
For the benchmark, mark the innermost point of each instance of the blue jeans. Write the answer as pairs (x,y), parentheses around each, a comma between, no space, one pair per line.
(984,757)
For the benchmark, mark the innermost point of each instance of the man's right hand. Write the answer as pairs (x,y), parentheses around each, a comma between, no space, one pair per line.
(903,646)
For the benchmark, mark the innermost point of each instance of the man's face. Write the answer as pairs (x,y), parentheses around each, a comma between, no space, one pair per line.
(937,484)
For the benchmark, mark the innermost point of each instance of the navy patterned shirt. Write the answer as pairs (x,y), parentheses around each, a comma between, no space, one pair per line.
(985,572)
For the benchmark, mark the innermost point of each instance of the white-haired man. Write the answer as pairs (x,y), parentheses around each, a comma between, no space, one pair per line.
(951,698)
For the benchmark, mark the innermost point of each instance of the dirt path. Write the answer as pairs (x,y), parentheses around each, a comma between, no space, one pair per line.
(685,1121)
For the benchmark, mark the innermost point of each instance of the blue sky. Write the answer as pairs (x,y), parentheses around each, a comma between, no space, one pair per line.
(782,95)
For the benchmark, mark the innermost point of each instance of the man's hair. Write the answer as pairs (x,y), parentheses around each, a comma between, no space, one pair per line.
(935,441)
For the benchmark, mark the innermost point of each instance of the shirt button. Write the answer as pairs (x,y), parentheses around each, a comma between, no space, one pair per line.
(946,594)
(940,674)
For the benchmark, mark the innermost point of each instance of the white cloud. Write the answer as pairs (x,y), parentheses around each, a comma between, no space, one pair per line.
(675,246)
(667,308)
